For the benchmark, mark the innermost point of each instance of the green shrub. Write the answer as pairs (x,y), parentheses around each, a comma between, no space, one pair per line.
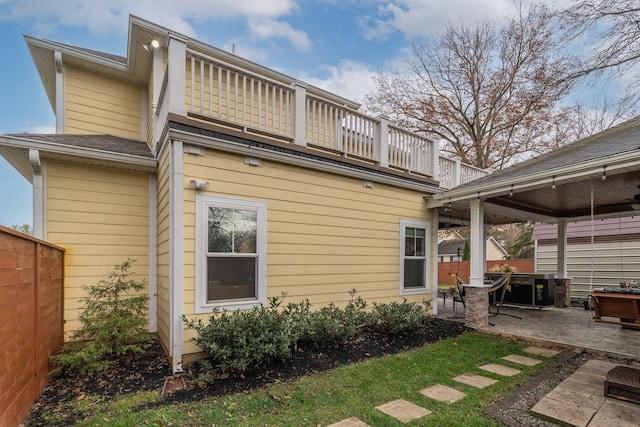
(240,340)
(113,324)
(395,317)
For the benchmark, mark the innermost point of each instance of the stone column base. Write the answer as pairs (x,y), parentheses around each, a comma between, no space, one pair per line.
(476,301)
(562,293)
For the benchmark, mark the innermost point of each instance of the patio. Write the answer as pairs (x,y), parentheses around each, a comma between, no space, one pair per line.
(571,327)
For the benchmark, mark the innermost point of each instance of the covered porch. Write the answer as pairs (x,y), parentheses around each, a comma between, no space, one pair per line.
(597,177)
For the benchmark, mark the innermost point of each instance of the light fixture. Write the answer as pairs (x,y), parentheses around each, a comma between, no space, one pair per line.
(604,173)
(553,182)
(636,204)
(511,192)
(199,185)
(151,44)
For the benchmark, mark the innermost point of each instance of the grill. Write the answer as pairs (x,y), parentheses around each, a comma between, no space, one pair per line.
(536,290)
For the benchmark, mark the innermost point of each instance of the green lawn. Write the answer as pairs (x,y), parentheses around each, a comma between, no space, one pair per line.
(350,391)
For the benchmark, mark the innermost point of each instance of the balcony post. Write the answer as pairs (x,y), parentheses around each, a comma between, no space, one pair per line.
(299,114)
(381,141)
(177,69)
(456,178)
(435,160)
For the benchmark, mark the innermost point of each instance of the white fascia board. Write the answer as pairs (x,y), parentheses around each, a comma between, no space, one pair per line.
(52,147)
(238,148)
(69,50)
(618,163)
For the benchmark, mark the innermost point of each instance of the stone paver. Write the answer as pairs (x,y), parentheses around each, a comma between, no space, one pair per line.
(598,368)
(521,360)
(539,351)
(442,393)
(617,413)
(578,395)
(566,413)
(505,371)
(349,422)
(403,411)
(474,380)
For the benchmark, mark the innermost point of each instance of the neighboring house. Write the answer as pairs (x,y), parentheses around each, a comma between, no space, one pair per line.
(614,256)
(452,250)
(228,182)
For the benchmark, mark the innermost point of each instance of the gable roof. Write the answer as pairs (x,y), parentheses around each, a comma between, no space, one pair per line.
(106,143)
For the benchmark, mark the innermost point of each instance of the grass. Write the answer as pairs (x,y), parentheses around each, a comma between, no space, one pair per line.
(323,399)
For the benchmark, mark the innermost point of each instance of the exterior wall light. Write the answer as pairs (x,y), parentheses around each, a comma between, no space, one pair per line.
(199,185)
(151,44)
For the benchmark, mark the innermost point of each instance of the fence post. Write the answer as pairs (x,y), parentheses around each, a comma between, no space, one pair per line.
(435,160)
(456,173)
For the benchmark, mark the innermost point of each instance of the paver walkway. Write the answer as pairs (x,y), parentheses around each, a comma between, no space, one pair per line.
(406,411)
(579,400)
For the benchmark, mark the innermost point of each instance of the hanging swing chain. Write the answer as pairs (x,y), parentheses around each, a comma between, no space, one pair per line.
(592,238)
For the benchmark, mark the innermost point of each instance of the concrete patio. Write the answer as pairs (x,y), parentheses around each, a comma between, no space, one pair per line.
(571,327)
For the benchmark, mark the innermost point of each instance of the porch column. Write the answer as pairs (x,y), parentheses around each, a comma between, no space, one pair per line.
(476,276)
(562,293)
(476,308)
(381,138)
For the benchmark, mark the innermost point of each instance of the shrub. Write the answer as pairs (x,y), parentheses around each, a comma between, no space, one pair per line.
(113,324)
(239,340)
(395,317)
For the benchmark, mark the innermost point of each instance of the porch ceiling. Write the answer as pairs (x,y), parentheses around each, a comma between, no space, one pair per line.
(557,184)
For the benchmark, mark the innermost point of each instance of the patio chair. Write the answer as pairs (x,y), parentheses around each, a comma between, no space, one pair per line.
(500,285)
(457,291)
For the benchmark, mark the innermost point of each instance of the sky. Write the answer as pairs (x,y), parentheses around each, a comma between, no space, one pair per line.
(337,45)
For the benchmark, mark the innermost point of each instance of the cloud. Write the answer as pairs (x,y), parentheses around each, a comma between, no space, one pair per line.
(349,79)
(46,129)
(270,28)
(422,17)
(104,17)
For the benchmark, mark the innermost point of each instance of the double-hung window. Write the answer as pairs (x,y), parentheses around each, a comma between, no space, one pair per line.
(414,256)
(231,263)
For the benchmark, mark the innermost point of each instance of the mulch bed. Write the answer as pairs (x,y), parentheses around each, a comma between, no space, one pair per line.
(148,371)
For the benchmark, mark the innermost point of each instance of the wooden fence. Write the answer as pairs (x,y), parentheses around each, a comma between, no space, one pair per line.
(462,268)
(31,319)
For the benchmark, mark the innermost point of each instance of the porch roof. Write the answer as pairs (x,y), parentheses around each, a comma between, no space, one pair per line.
(558,184)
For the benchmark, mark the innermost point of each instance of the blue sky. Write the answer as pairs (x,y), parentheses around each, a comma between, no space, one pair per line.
(335,44)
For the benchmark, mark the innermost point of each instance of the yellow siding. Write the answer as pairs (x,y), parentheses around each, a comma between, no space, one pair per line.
(96,104)
(163,249)
(101,218)
(326,234)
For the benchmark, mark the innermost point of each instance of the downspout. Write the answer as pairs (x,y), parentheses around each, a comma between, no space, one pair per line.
(176,245)
(39,202)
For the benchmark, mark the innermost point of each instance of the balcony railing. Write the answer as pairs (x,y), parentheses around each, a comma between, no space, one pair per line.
(219,91)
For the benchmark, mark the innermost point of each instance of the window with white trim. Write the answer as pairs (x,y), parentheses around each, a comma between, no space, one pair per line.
(414,256)
(231,256)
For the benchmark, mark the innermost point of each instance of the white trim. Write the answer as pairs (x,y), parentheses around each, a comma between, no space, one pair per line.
(290,159)
(176,256)
(60,92)
(52,147)
(434,259)
(153,253)
(203,201)
(404,223)
(144,112)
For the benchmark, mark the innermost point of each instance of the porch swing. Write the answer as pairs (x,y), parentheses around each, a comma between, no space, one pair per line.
(613,302)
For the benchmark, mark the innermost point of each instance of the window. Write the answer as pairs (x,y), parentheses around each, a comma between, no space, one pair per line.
(414,256)
(231,237)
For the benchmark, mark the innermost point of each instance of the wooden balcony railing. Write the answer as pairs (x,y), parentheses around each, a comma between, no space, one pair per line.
(220,91)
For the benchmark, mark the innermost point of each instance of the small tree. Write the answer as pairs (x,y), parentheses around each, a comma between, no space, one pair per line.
(466,252)
(113,323)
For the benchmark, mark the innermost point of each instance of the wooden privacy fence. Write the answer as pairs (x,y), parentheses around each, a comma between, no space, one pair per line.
(463,268)
(31,319)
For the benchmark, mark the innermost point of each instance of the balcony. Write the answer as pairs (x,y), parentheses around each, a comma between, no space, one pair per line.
(216,90)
